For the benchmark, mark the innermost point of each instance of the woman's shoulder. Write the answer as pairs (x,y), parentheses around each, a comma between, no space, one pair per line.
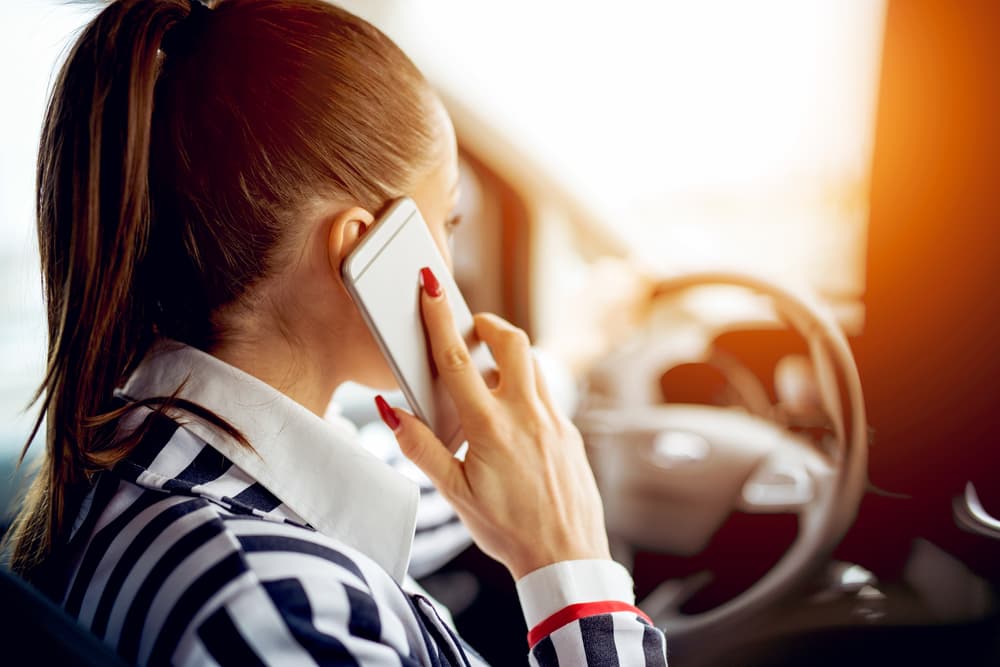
(175,493)
(162,573)
(176,548)
(177,466)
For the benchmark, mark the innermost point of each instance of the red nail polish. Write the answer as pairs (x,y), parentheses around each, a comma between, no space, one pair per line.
(430,282)
(387,413)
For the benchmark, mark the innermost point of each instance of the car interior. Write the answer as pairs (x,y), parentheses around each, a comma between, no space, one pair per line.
(799,466)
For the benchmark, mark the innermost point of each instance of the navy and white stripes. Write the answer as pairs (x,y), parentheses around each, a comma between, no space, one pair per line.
(180,557)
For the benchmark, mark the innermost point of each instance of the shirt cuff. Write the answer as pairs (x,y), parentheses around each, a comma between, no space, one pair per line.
(554,587)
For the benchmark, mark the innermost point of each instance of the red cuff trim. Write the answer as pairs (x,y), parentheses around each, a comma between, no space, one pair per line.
(574,612)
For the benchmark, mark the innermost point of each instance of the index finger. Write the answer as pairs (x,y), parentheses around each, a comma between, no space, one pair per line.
(450,353)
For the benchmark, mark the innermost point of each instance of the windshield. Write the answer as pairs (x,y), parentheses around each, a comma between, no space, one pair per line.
(701,133)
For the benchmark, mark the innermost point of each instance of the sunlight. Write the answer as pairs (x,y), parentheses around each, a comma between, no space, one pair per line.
(705,134)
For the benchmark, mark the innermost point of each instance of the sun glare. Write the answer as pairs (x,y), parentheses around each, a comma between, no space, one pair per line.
(704,133)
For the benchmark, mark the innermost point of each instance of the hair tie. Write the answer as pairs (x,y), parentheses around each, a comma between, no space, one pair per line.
(182,35)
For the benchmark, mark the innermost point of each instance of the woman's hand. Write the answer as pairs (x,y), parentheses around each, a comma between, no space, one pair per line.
(525,490)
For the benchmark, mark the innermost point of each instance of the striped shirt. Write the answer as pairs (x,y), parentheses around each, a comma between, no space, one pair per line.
(195,550)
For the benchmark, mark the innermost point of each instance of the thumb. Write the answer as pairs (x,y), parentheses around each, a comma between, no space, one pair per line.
(419,444)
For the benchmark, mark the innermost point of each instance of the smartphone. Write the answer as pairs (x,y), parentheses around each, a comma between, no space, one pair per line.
(382,275)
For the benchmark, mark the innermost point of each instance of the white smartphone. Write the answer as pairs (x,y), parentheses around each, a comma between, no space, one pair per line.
(382,275)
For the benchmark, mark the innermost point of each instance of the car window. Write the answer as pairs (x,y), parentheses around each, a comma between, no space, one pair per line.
(701,133)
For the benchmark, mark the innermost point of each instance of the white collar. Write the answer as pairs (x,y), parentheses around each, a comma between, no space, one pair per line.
(315,466)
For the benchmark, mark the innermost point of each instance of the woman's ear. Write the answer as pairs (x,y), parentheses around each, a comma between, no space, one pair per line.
(345,232)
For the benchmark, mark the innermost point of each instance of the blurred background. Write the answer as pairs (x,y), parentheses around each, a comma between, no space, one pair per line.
(844,150)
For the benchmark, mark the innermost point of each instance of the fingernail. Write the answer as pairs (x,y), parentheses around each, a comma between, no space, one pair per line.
(387,413)
(430,282)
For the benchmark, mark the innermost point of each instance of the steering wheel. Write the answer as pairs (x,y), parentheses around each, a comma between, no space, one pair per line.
(670,474)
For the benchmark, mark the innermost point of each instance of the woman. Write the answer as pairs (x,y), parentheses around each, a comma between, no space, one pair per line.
(202,173)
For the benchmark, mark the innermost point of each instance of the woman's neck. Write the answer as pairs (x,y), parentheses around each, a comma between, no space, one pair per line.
(307,378)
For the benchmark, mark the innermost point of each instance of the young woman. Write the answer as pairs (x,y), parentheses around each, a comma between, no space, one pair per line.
(202,173)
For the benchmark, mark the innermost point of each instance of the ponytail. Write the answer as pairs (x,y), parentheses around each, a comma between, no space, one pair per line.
(93,211)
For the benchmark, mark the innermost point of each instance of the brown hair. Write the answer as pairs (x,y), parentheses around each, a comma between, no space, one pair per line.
(178,147)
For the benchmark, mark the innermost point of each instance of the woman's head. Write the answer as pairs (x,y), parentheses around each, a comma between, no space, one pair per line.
(201,173)
(266,112)
(273,118)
